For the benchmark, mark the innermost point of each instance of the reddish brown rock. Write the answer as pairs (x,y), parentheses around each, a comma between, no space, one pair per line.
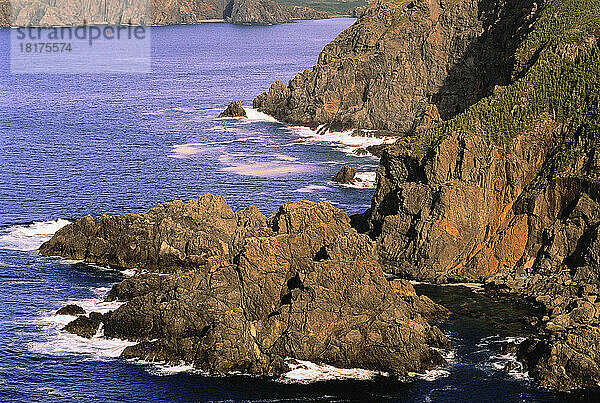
(302,284)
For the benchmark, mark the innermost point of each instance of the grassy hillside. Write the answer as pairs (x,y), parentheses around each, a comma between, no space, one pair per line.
(330,6)
(556,81)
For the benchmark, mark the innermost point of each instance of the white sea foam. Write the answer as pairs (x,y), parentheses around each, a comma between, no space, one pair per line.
(428,376)
(363,180)
(475,287)
(310,189)
(347,139)
(29,237)
(308,372)
(164,369)
(255,115)
(243,165)
(498,361)
(58,342)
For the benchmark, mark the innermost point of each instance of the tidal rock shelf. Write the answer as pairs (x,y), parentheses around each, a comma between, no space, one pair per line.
(235,291)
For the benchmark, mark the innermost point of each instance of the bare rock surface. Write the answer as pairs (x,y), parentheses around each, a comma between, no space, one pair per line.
(267,12)
(346,175)
(71,310)
(398,58)
(233,291)
(234,110)
(85,326)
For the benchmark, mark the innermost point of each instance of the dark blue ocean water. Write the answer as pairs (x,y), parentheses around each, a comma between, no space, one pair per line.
(73,145)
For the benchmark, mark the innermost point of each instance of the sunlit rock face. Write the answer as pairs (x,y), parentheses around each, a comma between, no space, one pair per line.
(235,291)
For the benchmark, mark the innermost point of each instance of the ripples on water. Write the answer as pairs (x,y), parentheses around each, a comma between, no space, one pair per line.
(78,145)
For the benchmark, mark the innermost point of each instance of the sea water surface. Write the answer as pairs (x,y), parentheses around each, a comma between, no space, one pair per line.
(73,145)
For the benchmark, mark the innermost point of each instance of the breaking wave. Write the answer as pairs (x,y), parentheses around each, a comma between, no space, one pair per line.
(29,237)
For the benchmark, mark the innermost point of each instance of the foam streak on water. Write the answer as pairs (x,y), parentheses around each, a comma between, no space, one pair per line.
(347,140)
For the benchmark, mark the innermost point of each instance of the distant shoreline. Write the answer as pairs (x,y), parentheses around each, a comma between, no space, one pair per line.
(207,21)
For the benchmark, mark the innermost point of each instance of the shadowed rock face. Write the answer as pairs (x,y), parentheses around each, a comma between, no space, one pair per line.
(302,284)
(400,57)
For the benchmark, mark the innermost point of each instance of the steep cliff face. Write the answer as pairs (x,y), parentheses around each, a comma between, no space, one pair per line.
(152,12)
(508,192)
(233,291)
(267,12)
(401,56)
(506,189)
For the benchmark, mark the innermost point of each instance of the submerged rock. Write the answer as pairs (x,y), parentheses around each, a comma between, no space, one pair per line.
(234,110)
(346,175)
(85,326)
(71,309)
(302,284)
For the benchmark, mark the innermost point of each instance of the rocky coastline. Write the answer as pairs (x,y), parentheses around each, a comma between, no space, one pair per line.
(495,175)
(26,13)
(234,291)
(267,12)
(494,178)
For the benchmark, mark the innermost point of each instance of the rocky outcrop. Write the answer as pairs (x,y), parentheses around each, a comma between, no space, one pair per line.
(234,110)
(71,310)
(497,176)
(400,57)
(307,13)
(267,12)
(346,175)
(85,326)
(170,237)
(233,291)
(489,196)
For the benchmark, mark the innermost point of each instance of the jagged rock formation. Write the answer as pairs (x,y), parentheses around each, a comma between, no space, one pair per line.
(4,13)
(401,56)
(506,188)
(238,292)
(345,175)
(172,236)
(267,12)
(71,310)
(85,326)
(154,12)
(234,110)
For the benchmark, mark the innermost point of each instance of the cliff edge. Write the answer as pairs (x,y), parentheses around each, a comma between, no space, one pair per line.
(496,175)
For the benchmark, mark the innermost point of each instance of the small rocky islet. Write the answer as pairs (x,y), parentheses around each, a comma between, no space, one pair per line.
(494,178)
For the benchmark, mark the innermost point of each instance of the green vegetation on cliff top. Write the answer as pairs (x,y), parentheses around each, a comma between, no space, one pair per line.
(333,7)
(557,82)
